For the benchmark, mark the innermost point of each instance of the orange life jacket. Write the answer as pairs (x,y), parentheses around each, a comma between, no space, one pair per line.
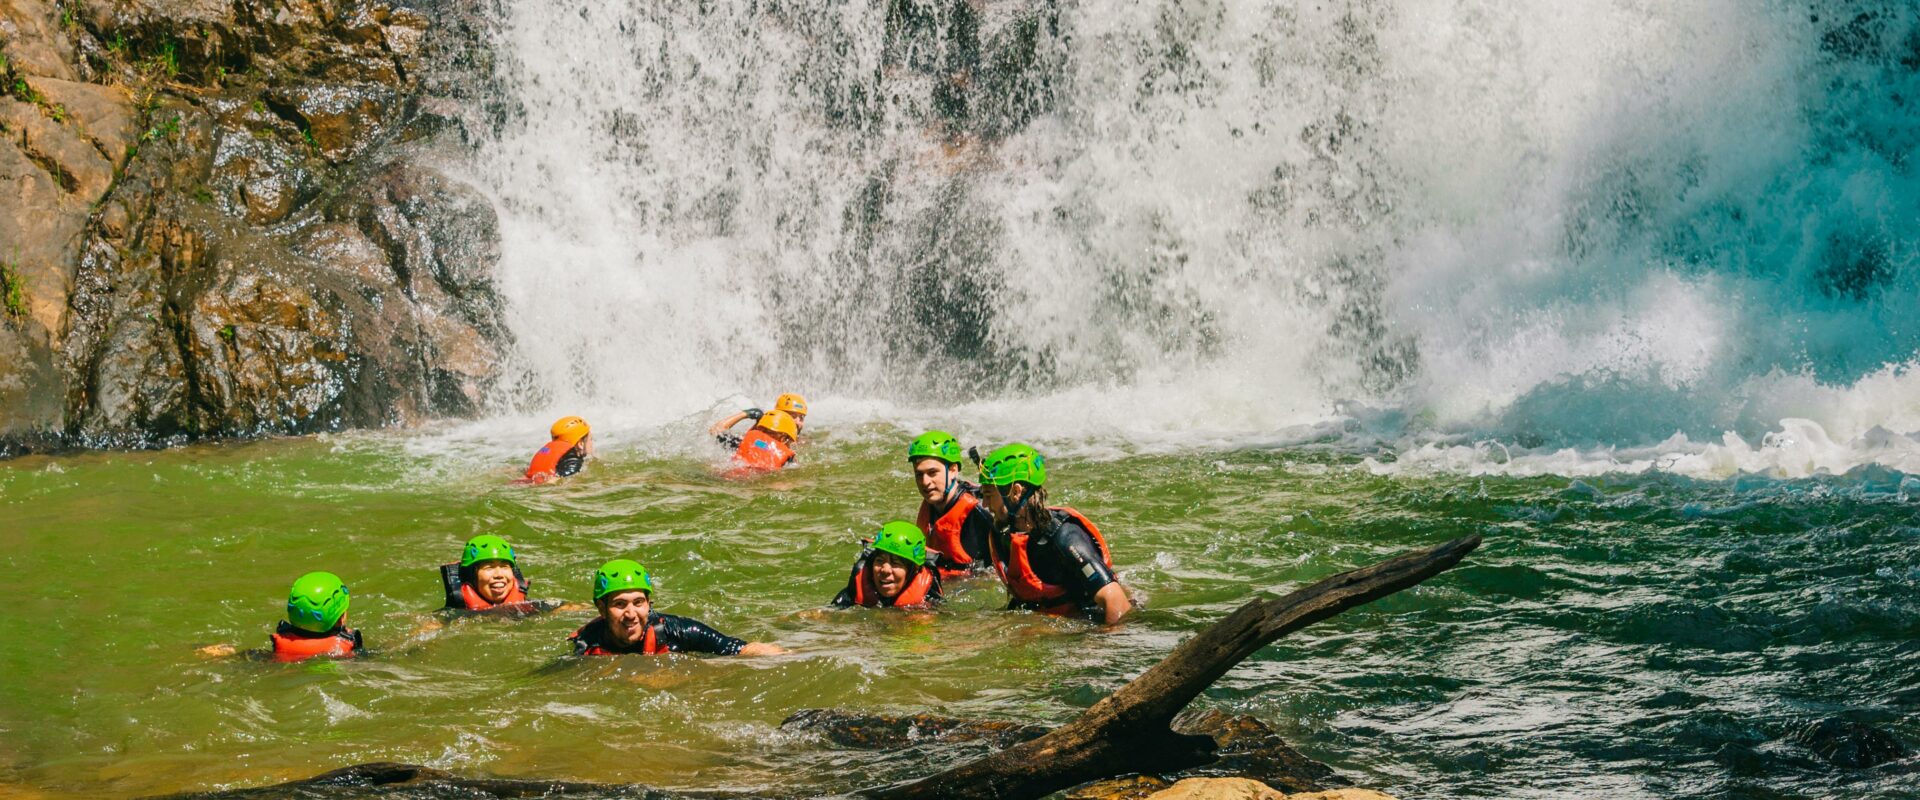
(545,461)
(761,451)
(648,646)
(462,596)
(943,534)
(868,595)
(1016,571)
(293,644)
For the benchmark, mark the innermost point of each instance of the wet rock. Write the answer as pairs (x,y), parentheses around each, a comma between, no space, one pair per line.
(1843,743)
(1132,787)
(387,779)
(1218,789)
(212,230)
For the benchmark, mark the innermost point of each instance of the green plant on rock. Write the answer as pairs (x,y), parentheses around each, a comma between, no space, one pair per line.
(203,194)
(227,332)
(13,289)
(164,62)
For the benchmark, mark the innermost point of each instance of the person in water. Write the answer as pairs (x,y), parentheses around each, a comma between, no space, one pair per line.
(894,572)
(565,455)
(316,623)
(955,522)
(623,591)
(794,405)
(487,580)
(767,446)
(1052,559)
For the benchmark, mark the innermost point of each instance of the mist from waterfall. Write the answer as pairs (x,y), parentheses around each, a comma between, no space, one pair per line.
(1612,226)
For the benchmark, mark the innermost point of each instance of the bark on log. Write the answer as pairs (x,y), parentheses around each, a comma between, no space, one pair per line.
(1131,730)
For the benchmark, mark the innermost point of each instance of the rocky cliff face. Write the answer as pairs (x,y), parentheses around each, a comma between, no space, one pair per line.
(220,218)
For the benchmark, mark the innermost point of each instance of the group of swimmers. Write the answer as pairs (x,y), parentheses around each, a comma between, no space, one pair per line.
(1052,559)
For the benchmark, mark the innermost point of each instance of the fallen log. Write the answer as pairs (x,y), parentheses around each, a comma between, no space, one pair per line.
(1131,731)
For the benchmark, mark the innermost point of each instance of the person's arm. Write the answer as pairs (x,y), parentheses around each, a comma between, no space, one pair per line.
(721,426)
(1096,580)
(696,637)
(1113,602)
(762,649)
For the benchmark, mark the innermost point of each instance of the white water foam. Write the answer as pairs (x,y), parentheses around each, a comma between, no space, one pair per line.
(1612,235)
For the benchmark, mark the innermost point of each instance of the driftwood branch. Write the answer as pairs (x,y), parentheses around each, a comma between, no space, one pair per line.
(1131,730)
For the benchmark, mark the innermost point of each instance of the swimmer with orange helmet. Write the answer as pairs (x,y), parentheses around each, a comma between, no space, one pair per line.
(565,455)
(768,445)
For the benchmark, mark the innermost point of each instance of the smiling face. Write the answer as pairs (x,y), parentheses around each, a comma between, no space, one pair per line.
(493,580)
(890,573)
(626,615)
(932,477)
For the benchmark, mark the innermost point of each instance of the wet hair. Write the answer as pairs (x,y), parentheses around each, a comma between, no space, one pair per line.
(1040,520)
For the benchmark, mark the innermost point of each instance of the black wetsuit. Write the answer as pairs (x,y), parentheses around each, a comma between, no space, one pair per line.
(848,596)
(675,634)
(1067,557)
(974,530)
(570,463)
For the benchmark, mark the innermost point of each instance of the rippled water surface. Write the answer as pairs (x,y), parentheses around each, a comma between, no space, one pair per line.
(1642,637)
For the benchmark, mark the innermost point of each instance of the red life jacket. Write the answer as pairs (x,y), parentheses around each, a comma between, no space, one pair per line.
(462,596)
(1016,571)
(761,451)
(649,646)
(867,595)
(545,461)
(943,534)
(293,644)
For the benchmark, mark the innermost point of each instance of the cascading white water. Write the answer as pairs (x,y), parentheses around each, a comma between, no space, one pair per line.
(1593,224)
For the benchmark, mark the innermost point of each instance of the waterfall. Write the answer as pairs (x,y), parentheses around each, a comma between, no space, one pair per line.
(1593,224)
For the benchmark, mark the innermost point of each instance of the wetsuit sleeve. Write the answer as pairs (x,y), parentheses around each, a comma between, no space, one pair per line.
(1079,557)
(570,463)
(684,635)
(728,440)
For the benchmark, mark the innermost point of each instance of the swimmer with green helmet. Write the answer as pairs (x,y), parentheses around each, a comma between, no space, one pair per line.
(897,571)
(951,515)
(623,592)
(1051,558)
(487,580)
(316,623)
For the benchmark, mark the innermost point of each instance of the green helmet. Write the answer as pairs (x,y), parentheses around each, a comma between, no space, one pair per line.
(1014,462)
(317,602)
(902,539)
(621,575)
(486,547)
(934,444)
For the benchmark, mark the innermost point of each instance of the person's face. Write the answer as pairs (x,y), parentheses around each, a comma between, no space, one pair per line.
(932,476)
(626,614)
(586,445)
(493,580)
(890,574)
(1001,498)
(799,421)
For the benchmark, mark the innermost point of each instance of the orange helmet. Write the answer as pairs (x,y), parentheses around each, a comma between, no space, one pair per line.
(791,403)
(570,429)
(777,421)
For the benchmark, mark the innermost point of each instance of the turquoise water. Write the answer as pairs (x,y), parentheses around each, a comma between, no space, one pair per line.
(1625,637)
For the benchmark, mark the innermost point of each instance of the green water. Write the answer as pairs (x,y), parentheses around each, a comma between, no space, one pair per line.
(1651,636)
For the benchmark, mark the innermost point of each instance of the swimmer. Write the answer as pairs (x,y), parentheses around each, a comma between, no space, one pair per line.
(565,455)
(623,591)
(895,572)
(955,522)
(487,580)
(1052,559)
(316,623)
(767,447)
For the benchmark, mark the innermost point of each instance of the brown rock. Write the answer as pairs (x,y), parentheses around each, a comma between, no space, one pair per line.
(104,115)
(1218,789)
(29,36)
(341,119)
(1132,787)
(1341,794)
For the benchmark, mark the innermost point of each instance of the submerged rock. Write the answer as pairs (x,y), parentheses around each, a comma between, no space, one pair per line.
(386,779)
(1850,744)
(219,223)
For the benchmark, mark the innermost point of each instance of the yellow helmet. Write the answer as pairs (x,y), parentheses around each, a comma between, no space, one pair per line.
(777,421)
(570,429)
(791,403)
